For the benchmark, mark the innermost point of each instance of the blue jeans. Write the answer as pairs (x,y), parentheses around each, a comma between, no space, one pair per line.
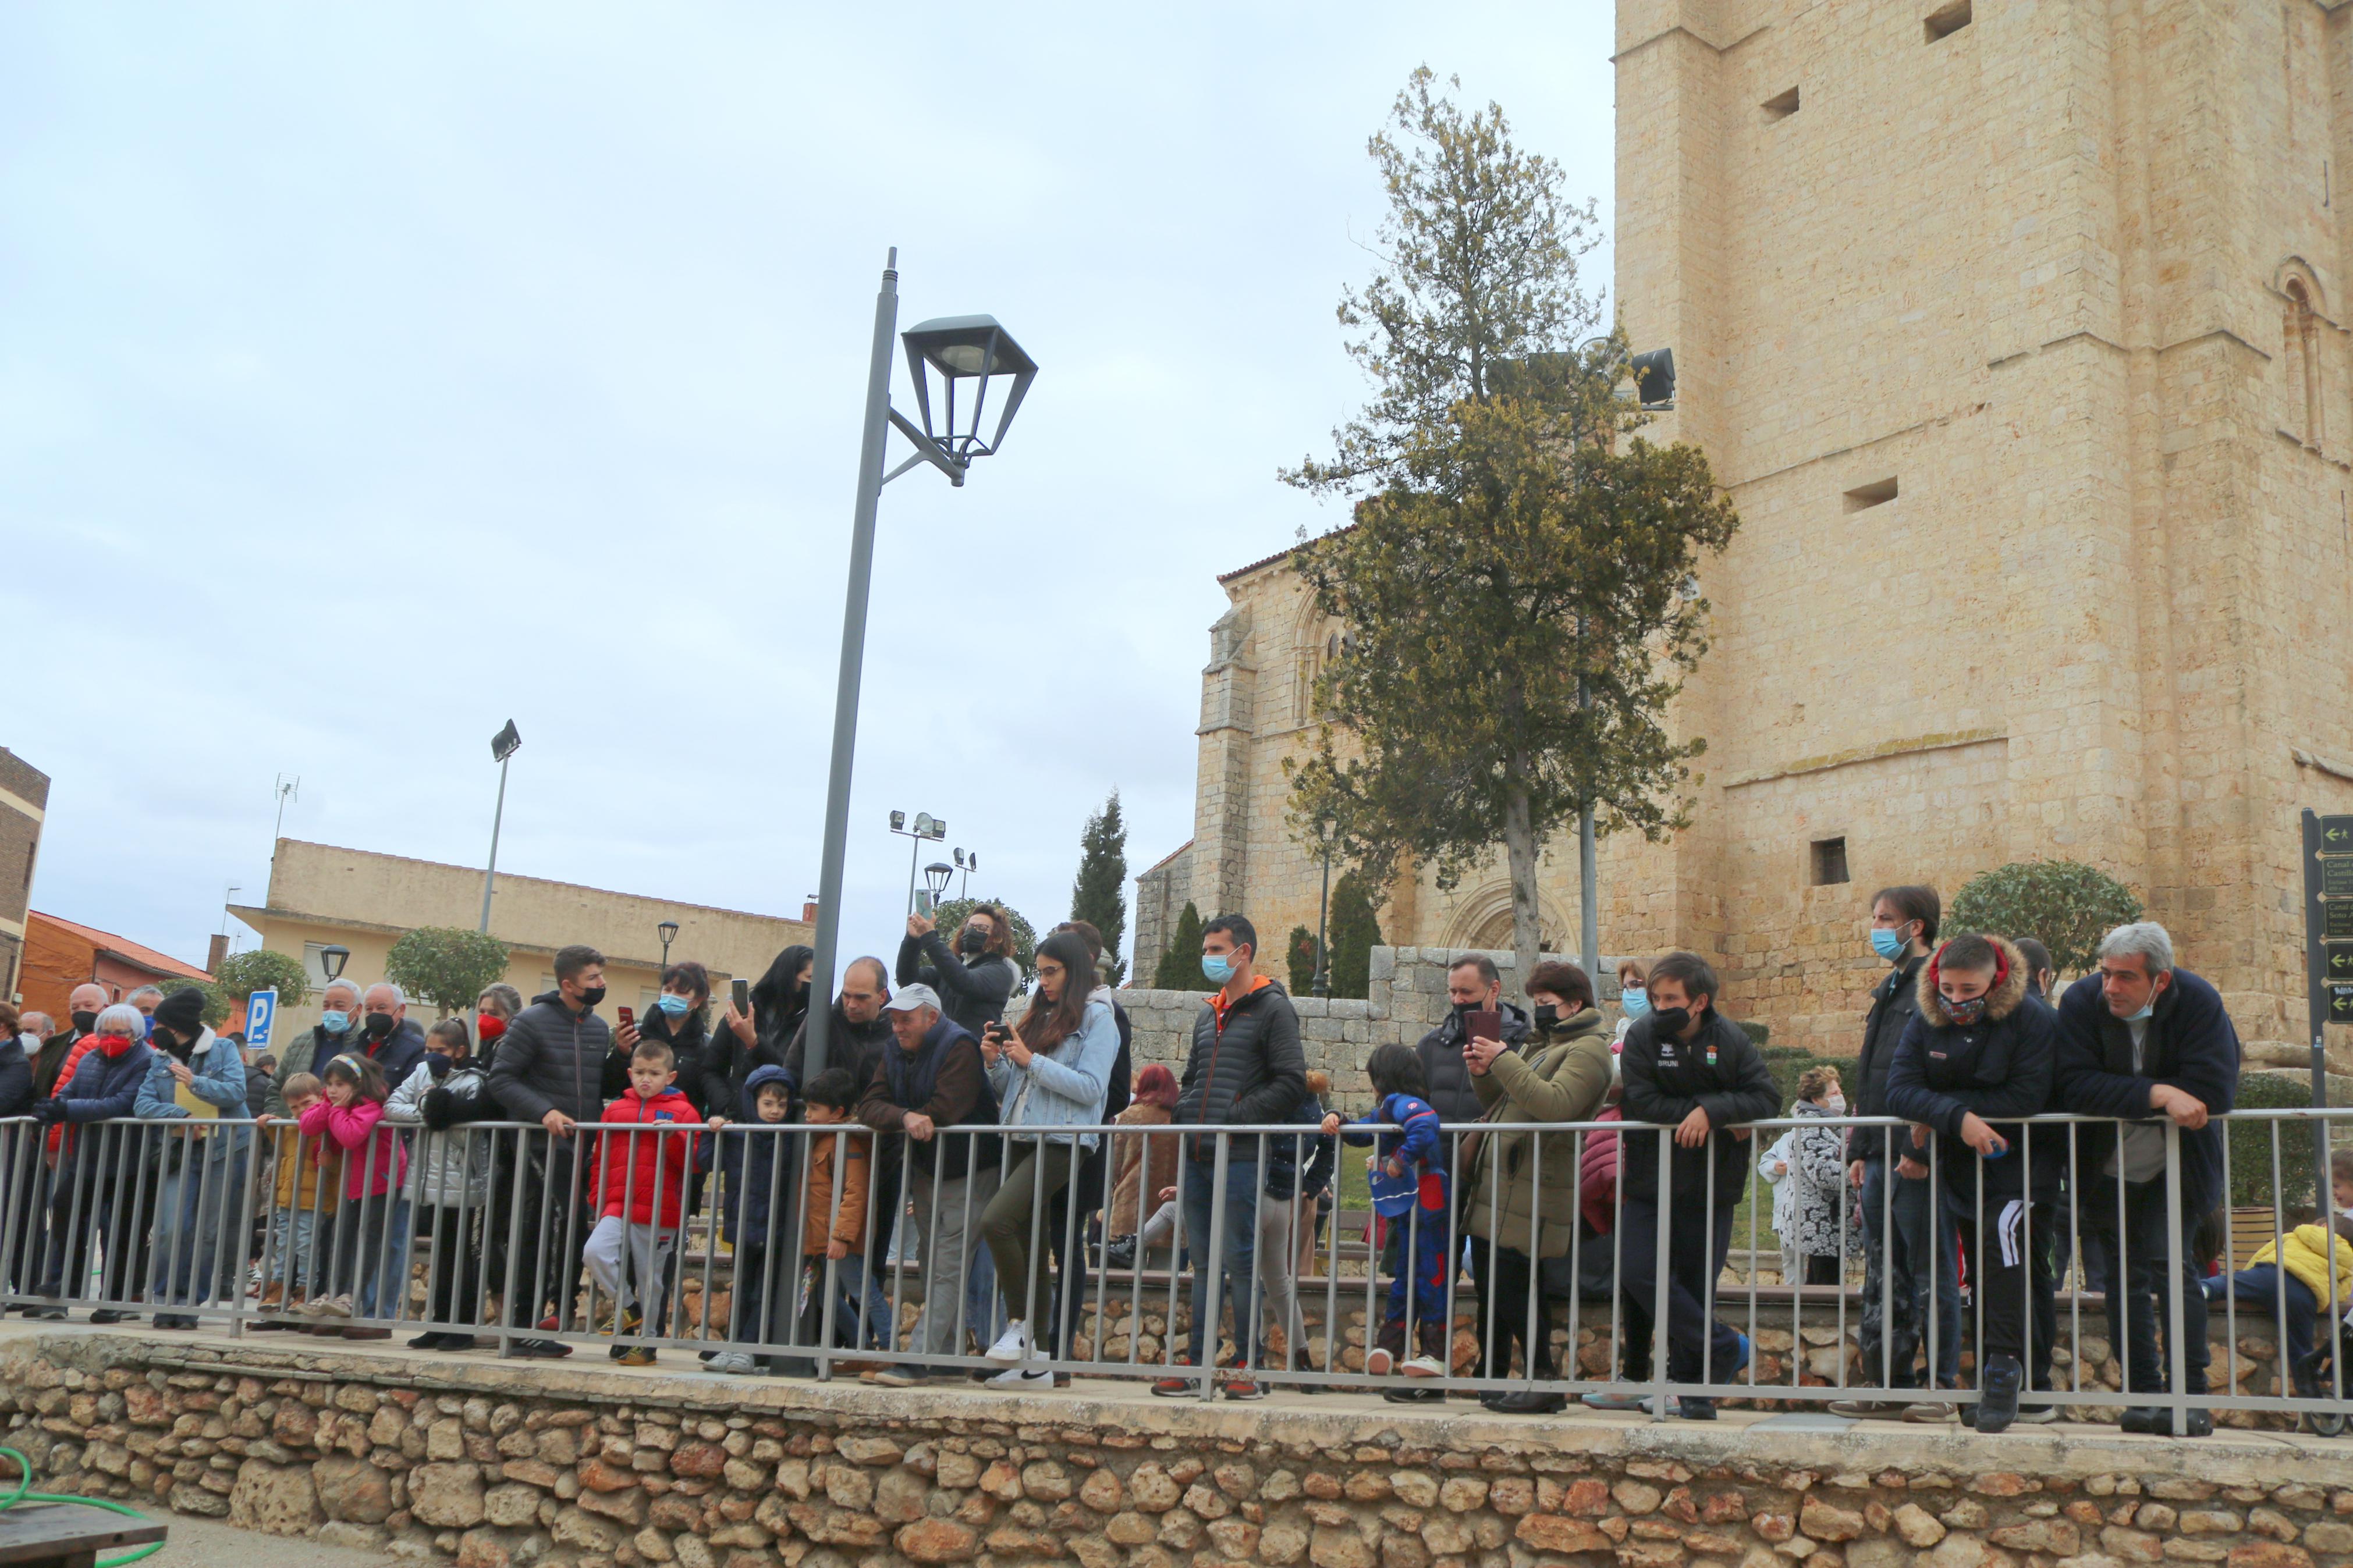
(2262,1287)
(197,1213)
(1239,1246)
(1898,1265)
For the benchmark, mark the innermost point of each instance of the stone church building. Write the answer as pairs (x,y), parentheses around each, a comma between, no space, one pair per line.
(2018,333)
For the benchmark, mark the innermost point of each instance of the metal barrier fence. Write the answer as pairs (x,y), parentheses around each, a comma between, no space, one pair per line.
(818,1239)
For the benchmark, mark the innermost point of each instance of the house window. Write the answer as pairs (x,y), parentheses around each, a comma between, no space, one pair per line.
(1878,492)
(1947,20)
(1781,106)
(1829,862)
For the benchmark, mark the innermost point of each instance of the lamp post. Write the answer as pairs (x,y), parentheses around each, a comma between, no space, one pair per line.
(967,864)
(502,746)
(331,958)
(936,878)
(926,829)
(668,931)
(966,352)
(1323,986)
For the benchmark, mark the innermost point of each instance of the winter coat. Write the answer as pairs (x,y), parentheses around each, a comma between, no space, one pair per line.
(973,993)
(395,1056)
(15,1078)
(1717,1070)
(1063,1087)
(95,1087)
(2307,1256)
(641,1175)
(960,1097)
(1894,1002)
(2190,1045)
(1521,1187)
(220,1083)
(375,1162)
(1816,1187)
(1246,1067)
(1453,1091)
(855,1147)
(2002,1068)
(1280,1176)
(551,1058)
(779,1003)
(747,1159)
(309,1170)
(858,1046)
(447,1167)
(1146,1164)
(49,1062)
(309,1051)
(1596,1174)
(701,1075)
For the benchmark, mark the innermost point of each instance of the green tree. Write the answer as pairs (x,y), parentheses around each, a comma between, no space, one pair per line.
(1356,931)
(2069,906)
(1517,591)
(1099,895)
(1180,961)
(953,912)
(243,973)
(1302,959)
(445,965)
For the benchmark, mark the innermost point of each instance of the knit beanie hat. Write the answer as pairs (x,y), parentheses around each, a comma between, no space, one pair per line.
(183,1012)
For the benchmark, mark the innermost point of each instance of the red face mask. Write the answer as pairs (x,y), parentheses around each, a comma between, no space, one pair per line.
(490,1027)
(113,1044)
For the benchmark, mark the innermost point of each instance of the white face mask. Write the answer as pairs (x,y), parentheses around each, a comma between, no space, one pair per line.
(1837,1103)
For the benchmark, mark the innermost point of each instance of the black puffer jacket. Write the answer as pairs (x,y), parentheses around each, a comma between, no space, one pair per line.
(1894,1002)
(1246,1068)
(1450,1093)
(552,1058)
(1718,1068)
(2001,1068)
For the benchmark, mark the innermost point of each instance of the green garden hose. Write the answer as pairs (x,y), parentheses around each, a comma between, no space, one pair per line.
(24,1493)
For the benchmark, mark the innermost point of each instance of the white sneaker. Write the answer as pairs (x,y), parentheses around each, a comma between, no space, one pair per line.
(1013,1344)
(333,1307)
(1036,1374)
(734,1363)
(1377,1362)
(1423,1366)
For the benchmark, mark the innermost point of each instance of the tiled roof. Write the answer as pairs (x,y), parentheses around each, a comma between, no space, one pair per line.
(123,948)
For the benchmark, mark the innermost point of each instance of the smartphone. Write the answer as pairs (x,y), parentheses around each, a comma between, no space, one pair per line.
(628,1015)
(743,997)
(924,905)
(1482,1025)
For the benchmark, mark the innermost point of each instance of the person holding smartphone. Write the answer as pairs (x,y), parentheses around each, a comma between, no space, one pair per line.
(763,1017)
(976,980)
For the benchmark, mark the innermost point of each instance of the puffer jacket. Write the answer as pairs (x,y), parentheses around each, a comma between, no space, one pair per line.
(701,1072)
(1522,1186)
(1453,1091)
(551,1058)
(747,1163)
(449,1167)
(1894,1002)
(16,1077)
(1246,1068)
(2307,1256)
(1596,1174)
(2002,1068)
(642,1175)
(95,1087)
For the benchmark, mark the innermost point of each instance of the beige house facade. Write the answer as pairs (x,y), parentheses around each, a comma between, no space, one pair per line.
(2018,333)
(322,895)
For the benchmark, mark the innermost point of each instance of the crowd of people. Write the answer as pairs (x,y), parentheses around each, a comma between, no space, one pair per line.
(950,1129)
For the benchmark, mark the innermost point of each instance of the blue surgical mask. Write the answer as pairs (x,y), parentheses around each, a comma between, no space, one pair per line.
(1217,967)
(1636,1002)
(672,1003)
(2147,1008)
(334,1022)
(1888,943)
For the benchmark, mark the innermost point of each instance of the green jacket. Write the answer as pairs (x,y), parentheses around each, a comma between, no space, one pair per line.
(1559,1075)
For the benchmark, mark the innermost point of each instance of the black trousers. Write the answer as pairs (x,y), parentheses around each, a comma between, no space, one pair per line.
(1700,1347)
(1506,1278)
(103,1190)
(2139,1251)
(2010,1277)
(445,1237)
(548,1225)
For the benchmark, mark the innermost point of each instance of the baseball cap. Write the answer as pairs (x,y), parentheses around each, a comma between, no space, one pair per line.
(907,998)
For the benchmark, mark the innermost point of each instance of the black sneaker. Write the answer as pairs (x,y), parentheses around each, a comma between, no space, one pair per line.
(1121,1254)
(2144,1418)
(106,1315)
(538,1350)
(1695,1407)
(1998,1394)
(1414,1395)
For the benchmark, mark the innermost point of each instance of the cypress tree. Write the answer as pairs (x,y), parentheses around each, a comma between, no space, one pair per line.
(1302,962)
(1180,961)
(1099,895)
(1356,931)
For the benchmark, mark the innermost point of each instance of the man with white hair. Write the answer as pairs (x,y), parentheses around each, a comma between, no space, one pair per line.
(2148,1042)
(314,1048)
(388,1035)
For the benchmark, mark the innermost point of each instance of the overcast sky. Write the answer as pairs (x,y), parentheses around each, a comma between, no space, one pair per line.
(371,376)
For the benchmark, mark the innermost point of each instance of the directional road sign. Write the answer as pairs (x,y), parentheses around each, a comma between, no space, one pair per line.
(2336,960)
(2337,877)
(2337,835)
(2340,1003)
(260,1015)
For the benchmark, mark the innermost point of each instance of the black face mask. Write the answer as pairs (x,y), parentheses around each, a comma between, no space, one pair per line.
(1547,1015)
(972,942)
(84,1023)
(437,1065)
(594,994)
(378,1026)
(1672,1021)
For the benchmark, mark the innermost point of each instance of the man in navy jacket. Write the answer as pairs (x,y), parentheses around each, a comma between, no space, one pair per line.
(2142,1039)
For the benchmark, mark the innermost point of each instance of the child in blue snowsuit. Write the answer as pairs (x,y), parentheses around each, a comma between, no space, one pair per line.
(1409,1189)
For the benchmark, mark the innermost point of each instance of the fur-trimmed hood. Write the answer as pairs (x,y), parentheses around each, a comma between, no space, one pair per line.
(2009,987)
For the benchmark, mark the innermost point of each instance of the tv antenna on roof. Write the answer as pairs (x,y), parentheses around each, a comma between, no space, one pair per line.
(287,789)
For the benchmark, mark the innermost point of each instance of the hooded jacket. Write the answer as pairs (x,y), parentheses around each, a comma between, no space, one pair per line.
(1246,1067)
(449,1167)
(2307,1256)
(1453,1091)
(1719,1069)
(1520,1187)
(551,1058)
(1894,1002)
(641,1171)
(852,1149)
(747,1159)
(2190,1045)
(2002,1069)
(973,993)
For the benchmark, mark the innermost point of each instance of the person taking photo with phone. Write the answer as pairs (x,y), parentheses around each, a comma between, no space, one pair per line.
(977,978)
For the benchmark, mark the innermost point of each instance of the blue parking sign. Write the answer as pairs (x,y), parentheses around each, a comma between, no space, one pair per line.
(261,1013)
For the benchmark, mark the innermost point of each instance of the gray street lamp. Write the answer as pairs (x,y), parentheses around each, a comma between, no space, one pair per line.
(967,864)
(1323,982)
(331,958)
(936,877)
(504,746)
(927,829)
(668,931)
(965,354)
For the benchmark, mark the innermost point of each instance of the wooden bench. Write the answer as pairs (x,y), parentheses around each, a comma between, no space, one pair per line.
(67,1535)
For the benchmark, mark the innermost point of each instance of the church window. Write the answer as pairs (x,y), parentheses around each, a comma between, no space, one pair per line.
(2300,336)
(1829,862)
(1947,20)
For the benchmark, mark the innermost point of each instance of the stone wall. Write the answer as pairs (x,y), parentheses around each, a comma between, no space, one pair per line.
(501,1467)
(1406,999)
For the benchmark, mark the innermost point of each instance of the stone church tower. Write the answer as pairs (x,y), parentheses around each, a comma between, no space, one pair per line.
(2015,330)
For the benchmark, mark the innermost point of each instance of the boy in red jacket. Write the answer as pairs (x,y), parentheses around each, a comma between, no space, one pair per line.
(642,1178)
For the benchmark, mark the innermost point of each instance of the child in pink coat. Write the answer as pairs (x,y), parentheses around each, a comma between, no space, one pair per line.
(372,1228)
